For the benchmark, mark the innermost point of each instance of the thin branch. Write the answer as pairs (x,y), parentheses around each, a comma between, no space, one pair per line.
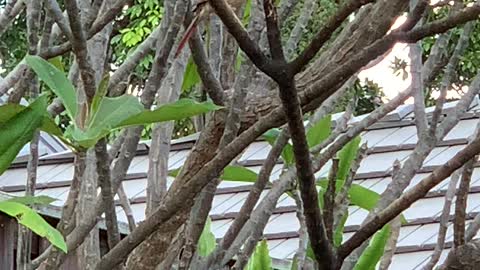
(391,245)
(57,14)
(460,48)
(444,219)
(273,31)
(301,253)
(418,88)
(410,196)
(461,204)
(125,204)
(324,34)
(329,199)
(10,12)
(79,46)
(105,182)
(235,27)
(309,6)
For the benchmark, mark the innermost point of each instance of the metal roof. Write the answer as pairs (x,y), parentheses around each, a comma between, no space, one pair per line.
(392,138)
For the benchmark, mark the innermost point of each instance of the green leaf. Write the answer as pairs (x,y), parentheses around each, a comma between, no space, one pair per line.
(230,173)
(360,196)
(19,130)
(338,234)
(260,259)
(287,152)
(346,156)
(294,264)
(190,77)
(32,200)
(57,81)
(100,93)
(239,174)
(111,112)
(57,63)
(183,108)
(206,243)
(374,252)
(32,220)
(319,132)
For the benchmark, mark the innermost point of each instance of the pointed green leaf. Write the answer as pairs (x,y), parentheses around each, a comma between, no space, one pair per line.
(287,152)
(190,77)
(32,200)
(100,93)
(110,113)
(183,108)
(32,220)
(239,174)
(338,235)
(294,264)
(57,62)
(56,80)
(260,259)
(19,130)
(206,243)
(346,156)
(319,131)
(230,173)
(374,252)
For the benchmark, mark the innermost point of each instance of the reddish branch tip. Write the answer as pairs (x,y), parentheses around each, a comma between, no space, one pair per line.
(188,33)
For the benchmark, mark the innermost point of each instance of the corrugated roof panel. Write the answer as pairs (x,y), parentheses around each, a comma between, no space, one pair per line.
(256,151)
(440,158)
(284,250)
(135,188)
(218,200)
(280,223)
(381,162)
(13,177)
(373,137)
(220,227)
(430,207)
(227,205)
(398,137)
(62,172)
(409,260)
(356,216)
(462,130)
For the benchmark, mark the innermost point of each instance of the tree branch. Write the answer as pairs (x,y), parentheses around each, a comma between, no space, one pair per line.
(325,33)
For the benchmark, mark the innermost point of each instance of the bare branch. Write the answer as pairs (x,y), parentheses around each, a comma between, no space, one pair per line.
(444,219)
(325,33)
(79,45)
(461,46)
(125,204)
(461,204)
(329,199)
(105,182)
(308,7)
(413,194)
(10,11)
(301,253)
(237,30)
(391,245)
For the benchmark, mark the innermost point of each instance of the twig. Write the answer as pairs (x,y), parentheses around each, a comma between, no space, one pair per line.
(79,45)
(309,6)
(324,34)
(444,218)
(461,46)
(301,253)
(461,205)
(391,245)
(104,180)
(10,11)
(410,197)
(329,199)
(125,204)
